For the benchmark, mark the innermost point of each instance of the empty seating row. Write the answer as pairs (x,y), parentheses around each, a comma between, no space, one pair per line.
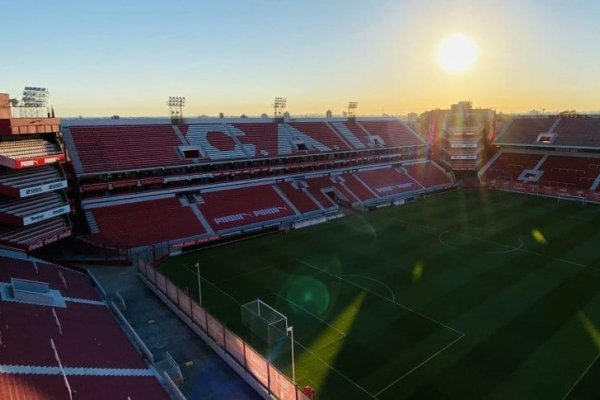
(113,148)
(298,196)
(525,130)
(243,206)
(16,182)
(71,283)
(34,236)
(393,133)
(322,133)
(428,174)
(144,223)
(93,387)
(387,181)
(576,172)
(29,148)
(509,166)
(263,137)
(32,209)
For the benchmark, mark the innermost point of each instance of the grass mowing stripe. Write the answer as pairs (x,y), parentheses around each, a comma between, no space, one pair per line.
(310,313)
(581,377)
(431,357)
(383,297)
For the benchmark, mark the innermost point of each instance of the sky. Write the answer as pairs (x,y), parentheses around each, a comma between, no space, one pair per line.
(100,58)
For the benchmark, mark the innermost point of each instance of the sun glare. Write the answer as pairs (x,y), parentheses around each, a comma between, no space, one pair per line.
(457,53)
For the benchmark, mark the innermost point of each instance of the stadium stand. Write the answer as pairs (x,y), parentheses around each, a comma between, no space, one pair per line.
(260,139)
(358,188)
(387,181)
(34,210)
(323,133)
(579,132)
(510,165)
(28,182)
(61,317)
(578,172)
(428,174)
(143,223)
(526,130)
(236,208)
(114,148)
(298,196)
(393,133)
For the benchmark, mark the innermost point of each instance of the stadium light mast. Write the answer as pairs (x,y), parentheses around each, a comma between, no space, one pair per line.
(352,107)
(176,104)
(32,101)
(278,108)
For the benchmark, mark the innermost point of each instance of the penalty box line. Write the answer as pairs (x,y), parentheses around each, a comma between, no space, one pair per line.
(339,277)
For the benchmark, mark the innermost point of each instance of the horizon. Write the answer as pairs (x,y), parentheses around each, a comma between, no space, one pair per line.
(234,57)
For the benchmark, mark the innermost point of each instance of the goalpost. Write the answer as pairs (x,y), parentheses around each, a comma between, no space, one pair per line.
(265,321)
(563,196)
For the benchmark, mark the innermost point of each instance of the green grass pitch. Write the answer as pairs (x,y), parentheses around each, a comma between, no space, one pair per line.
(461,295)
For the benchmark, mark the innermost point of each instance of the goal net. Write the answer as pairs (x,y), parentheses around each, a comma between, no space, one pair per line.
(264,321)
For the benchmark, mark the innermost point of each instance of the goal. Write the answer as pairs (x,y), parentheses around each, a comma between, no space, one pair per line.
(264,321)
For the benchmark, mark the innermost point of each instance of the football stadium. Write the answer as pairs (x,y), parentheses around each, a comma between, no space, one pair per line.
(293,255)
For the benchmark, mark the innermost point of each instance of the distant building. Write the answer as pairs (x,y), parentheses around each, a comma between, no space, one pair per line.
(459,137)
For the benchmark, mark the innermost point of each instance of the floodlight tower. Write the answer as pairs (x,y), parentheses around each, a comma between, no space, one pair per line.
(176,104)
(33,100)
(278,108)
(352,107)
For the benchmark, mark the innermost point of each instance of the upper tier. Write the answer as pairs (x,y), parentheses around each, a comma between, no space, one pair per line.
(552,131)
(97,148)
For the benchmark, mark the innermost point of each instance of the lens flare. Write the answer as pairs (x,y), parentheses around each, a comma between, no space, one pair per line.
(417,272)
(538,236)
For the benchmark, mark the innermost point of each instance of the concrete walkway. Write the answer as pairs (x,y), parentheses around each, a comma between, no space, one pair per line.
(205,375)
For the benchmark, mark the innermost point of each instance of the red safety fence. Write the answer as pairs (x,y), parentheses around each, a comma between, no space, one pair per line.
(273,381)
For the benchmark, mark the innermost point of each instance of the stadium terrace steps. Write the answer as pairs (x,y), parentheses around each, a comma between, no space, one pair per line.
(579,131)
(318,187)
(15,183)
(393,133)
(27,148)
(97,357)
(77,284)
(525,130)
(427,174)
(145,223)
(235,208)
(126,147)
(578,172)
(358,188)
(31,236)
(286,199)
(295,138)
(322,133)
(32,209)
(510,165)
(44,387)
(388,181)
(299,197)
(349,135)
(201,218)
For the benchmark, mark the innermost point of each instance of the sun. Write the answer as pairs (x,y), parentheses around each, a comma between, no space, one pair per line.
(457,53)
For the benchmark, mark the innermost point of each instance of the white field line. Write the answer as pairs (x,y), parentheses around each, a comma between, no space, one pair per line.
(581,377)
(431,357)
(329,343)
(519,248)
(374,280)
(215,286)
(337,371)
(246,274)
(339,277)
(310,313)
